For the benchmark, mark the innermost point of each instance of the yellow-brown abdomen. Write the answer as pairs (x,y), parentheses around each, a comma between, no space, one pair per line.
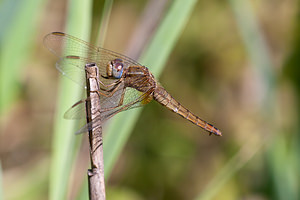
(164,98)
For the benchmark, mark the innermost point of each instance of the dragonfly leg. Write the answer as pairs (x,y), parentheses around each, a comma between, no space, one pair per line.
(111,91)
(110,85)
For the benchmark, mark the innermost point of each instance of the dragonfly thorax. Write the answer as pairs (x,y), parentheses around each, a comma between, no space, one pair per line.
(115,68)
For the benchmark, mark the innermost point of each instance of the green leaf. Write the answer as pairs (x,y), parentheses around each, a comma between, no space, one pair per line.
(18,22)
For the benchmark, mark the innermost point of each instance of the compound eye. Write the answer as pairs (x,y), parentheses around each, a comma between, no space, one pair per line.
(117,70)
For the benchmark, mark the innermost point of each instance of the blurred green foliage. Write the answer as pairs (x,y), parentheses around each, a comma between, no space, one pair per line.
(235,64)
(13,16)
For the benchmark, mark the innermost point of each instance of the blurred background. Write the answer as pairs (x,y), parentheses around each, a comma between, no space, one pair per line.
(234,64)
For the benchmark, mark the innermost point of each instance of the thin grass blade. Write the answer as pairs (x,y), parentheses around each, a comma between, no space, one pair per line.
(64,141)
(104,22)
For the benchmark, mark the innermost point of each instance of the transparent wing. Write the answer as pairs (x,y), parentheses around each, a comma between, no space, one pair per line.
(121,97)
(62,45)
(105,114)
(75,53)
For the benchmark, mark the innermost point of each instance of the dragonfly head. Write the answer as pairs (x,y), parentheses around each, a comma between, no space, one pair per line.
(115,68)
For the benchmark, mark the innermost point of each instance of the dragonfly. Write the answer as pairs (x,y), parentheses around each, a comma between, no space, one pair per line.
(124,83)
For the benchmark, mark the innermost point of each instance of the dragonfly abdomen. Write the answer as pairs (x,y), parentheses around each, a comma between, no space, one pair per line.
(164,98)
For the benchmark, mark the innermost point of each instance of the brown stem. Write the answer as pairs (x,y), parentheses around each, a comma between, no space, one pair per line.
(96,173)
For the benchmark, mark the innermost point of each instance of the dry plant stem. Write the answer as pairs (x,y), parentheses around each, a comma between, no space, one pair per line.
(96,173)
